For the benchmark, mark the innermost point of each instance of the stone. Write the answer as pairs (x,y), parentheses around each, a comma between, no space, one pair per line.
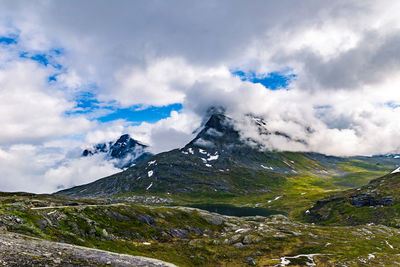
(216,220)
(238,245)
(258,253)
(279,236)
(105,232)
(161,215)
(234,238)
(178,233)
(251,261)
(225,242)
(117,216)
(146,219)
(248,239)
(196,230)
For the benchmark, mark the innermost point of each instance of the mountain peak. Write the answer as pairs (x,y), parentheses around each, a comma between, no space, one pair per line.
(126,151)
(123,146)
(217,121)
(217,131)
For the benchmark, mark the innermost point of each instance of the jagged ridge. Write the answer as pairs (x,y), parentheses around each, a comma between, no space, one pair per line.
(215,160)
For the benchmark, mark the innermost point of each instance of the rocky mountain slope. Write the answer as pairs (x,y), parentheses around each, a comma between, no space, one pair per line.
(219,161)
(125,152)
(377,202)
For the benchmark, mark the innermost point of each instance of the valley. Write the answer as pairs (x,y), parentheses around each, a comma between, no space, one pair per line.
(219,201)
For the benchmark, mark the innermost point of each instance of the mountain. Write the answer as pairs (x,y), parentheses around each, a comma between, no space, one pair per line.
(218,161)
(125,152)
(215,160)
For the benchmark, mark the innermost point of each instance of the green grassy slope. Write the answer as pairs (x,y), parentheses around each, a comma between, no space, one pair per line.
(298,179)
(189,237)
(377,202)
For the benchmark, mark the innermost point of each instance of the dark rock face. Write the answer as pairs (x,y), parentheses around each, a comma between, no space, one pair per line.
(217,132)
(126,151)
(220,133)
(146,219)
(99,148)
(119,217)
(123,146)
(371,200)
(178,233)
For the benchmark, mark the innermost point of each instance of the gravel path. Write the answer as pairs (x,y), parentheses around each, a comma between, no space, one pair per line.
(77,206)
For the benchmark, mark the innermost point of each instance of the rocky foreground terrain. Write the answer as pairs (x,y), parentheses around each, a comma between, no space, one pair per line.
(180,235)
(22,250)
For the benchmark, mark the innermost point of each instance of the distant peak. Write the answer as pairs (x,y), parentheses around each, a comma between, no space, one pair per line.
(126,150)
(124,137)
(127,140)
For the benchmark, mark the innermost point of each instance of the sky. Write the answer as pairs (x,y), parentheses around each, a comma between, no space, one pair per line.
(76,73)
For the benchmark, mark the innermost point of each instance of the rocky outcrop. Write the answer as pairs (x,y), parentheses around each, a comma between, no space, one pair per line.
(21,250)
(370,200)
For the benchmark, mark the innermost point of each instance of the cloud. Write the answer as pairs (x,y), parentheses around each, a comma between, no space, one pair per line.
(367,64)
(167,134)
(32,110)
(43,169)
(78,171)
(344,100)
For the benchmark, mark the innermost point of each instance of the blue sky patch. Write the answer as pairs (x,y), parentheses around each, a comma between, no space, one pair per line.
(273,80)
(136,114)
(8,40)
(41,58)
(53,78)
(392,104)
(86,101)
(88,104)
(44,59)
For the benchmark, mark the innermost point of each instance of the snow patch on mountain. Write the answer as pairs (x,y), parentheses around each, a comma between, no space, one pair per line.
(215,157)
(266,167)
(151,184)
(202,151)
(396,170)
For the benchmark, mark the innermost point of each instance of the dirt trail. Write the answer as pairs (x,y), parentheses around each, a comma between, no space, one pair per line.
(76,206)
